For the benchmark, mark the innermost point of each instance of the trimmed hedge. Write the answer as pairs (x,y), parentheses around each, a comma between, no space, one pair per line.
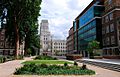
(43,69)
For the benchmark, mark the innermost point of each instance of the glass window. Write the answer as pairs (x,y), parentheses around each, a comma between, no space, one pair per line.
(106,19)
(111,16)
(109,1)
(107,40)
(107,29)
(103,30)
(111,27)
(112,39)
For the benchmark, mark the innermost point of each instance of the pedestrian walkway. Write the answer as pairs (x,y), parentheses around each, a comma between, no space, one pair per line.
(111,61)
(8,68)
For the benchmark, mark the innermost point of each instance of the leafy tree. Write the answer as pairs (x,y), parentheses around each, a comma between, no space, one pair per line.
(91,46)
(21,20)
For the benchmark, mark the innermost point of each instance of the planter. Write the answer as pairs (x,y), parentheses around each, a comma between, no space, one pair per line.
(98,57)
(73,56)
(112,56)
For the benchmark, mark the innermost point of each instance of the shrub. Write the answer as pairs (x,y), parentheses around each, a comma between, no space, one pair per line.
(75,63)
(65,64)
(32,69)
(40,57)
(44,65)
(1,59)
(84,67)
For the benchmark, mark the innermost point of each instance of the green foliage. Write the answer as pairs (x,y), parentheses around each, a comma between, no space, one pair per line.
(84,67)
(65,64)
(40,57)
(21,21)
(1,59)
(91,46)
(75,63)
(33,69)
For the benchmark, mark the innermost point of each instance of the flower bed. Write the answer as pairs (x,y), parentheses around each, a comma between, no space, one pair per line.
(43,69)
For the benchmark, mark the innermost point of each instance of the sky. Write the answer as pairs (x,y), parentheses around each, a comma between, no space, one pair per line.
(61,14)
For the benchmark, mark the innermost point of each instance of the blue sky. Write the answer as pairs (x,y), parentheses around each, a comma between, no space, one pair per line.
(61,14)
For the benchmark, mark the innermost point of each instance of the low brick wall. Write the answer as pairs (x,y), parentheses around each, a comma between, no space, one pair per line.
(112,57)
(73,57)
(98,57)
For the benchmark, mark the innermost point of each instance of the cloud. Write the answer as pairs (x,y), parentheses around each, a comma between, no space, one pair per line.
(61,14)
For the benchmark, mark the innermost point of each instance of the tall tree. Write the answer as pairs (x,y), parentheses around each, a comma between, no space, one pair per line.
(21,17)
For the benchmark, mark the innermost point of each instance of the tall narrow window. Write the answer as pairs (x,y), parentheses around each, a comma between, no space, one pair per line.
(107,29)
(111,16)
(112,39)
(111,27)
(108,41)
(106,19)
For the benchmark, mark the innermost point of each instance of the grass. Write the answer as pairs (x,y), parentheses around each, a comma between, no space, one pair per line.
(47,62)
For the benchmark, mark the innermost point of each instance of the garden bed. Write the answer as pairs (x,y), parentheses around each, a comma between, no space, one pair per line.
(43,69)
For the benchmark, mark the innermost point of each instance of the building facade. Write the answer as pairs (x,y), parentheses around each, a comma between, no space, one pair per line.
(45,37)
(88,26)
(70,40)
(58,47)
(111,29)
(6,48)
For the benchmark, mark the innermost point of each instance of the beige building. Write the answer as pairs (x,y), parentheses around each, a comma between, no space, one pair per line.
(58,47)
(45,37)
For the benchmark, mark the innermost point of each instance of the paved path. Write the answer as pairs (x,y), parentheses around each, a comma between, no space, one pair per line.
(8,68)
(111,61)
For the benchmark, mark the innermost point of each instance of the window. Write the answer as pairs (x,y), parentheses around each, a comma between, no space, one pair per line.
(112,39)
(107,29)
(111,27)
(103,20)
(106,19)
(109,1)
(2,37)
(107,40)
(1,44)
(111,16)
(104,42)
(103,30)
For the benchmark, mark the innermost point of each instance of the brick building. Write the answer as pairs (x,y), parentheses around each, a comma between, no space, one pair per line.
(70,42)
(111,29)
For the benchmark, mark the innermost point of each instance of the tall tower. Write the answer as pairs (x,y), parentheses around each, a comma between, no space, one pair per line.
(45,37)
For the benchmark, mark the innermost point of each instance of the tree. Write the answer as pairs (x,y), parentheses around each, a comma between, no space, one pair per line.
(91,46)
(21,19)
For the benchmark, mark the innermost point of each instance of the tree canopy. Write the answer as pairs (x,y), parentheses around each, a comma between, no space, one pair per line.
(21,20)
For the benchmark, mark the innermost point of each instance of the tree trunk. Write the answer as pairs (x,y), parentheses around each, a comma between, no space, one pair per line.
(26,45)
(16,41)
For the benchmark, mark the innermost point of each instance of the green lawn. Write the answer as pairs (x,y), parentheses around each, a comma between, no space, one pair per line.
(47,62)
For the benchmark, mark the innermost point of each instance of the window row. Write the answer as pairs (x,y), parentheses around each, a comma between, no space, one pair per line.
(108,28)
(107,18)
(88,33)
(87,27)
(109,40)
(59,43)
(59,47)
